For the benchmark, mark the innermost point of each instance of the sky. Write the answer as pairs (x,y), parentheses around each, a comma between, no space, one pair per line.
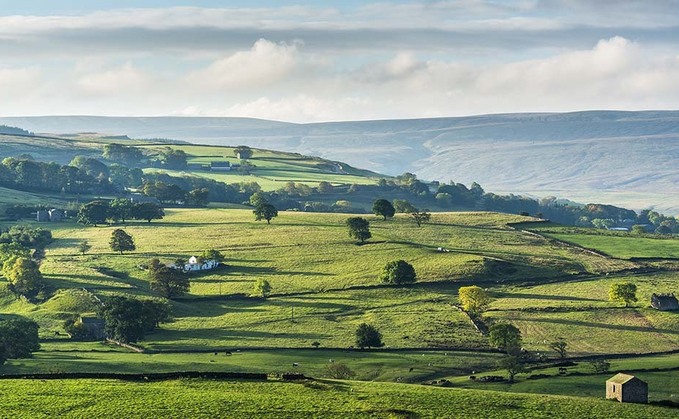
(308,61)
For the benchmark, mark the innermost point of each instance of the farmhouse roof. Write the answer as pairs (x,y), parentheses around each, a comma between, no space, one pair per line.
(621,378)
(220,164)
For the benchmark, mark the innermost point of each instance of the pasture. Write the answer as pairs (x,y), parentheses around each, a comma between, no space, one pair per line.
(198,398)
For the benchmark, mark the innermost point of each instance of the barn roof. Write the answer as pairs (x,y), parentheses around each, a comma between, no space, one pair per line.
(621,378)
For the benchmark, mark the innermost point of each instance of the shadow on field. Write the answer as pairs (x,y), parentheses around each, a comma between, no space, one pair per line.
(64,243)
(221,334)
(545,297)
(606,326)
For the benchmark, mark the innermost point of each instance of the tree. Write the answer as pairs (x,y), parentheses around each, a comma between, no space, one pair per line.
(121,209)
(473,299)
(123,320)
(421,216)
(84,247)
(148,211)
(368,336)
(401,205)
(384,208)
(265,212)
(24,277)
(199,197)
(262,288)
(339,371)
(514,365)
(168,282)
(623,291)
(505,336)
(243,152)
(559,346)
(359,229)
(121,241)
(600,366)
(212,254)
(93,213)
(398,272)
(638,229)
(18,338)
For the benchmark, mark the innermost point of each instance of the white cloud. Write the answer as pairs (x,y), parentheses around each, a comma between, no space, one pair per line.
(301,107)
(124,79)
(18,85)
(264,64)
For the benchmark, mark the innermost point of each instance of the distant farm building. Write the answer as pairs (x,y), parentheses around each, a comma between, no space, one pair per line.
(194,166)
(94,326)
(197,264)
(627,389)
(220,166)
(55,214)
(42,216)
(664,302)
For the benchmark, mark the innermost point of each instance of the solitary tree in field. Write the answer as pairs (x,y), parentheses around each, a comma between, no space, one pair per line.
(359,228)
(514,365)
(623,291)
(262,288)
(398,272)
(243,152)
(505,336)
(266,212)
(168,282)
(473,299)
(559,346)
(384,208)
(24,276)
(121,241)
(421,217)
(368,336)
(84,247)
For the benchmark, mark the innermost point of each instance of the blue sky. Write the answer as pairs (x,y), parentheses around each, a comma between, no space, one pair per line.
(316,61)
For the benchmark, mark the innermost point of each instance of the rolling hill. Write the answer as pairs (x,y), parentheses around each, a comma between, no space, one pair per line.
(621,158)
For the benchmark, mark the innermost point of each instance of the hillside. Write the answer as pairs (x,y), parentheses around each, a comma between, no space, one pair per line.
(621,158)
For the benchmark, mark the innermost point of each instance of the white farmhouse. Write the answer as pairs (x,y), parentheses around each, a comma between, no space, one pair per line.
(197,264)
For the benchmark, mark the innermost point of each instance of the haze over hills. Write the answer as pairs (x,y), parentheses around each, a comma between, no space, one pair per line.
(621,158)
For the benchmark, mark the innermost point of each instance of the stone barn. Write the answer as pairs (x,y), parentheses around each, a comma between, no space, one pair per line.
(664,302)
(627,388)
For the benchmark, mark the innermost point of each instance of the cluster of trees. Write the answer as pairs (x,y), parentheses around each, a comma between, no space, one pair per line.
(124,155)
(22,272)
(30,175)
(18,339)
(128,319)
(118,210)
(170,193)
(9,130)
(26,236)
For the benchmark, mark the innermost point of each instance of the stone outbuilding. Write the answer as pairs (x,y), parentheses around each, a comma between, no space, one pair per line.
(664,302)
(95,326)
(627,388)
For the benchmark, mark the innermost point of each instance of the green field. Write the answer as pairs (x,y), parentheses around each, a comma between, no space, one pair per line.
(207,398)
(272,170)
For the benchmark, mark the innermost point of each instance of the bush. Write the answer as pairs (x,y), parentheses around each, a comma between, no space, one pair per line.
(339,371)
(398,272)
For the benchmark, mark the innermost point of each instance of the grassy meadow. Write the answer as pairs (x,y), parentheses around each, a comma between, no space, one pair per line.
(210,398)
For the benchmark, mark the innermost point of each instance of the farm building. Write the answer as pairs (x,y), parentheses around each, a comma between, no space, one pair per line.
(197,264)
(664,302)
(42,216)
(94,326)
(220,166)
(627,388)
(55,214)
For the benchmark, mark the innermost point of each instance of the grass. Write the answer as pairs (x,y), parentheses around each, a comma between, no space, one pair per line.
(621,245)
(659,371)
(208,398)
(329,282)
(375,365)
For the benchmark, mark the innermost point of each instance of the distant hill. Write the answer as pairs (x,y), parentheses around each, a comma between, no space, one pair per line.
(621,158)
